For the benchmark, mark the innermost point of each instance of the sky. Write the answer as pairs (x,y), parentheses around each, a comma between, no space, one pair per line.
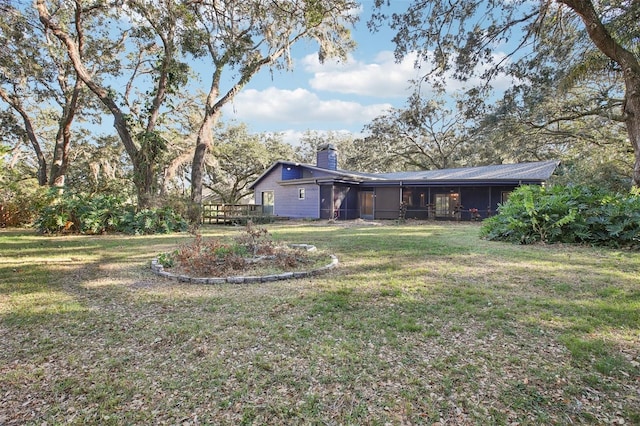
(334,96)
(338,97)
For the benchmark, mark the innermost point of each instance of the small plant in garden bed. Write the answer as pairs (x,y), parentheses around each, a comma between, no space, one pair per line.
(253,252)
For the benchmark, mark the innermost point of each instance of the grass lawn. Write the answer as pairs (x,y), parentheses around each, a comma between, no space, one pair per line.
(419,324)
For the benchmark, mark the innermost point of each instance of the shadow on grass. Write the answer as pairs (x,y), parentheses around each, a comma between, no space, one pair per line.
(411,311)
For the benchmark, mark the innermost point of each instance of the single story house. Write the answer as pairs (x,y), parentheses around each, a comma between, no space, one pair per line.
(323,191)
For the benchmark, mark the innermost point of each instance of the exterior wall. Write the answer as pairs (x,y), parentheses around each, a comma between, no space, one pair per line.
(342,200)
(291,172)
(327,158)
(286,202)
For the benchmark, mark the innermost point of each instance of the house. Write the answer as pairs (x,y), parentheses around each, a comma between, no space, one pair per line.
(323,191)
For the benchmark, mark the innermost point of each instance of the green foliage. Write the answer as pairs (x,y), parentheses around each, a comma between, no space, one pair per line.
(240,158)
(153,221)
(167,259)
(20,200)
(567,214)
(209,257)
(79,213)
(99,214)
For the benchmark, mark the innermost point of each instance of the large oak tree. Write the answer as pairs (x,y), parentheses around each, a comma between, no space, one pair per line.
(241,38)
(457,37)
(155,32)
(36,81)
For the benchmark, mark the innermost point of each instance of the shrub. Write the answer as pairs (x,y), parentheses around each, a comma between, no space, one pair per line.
(97,214)
(20,201)
(153,221)
(209,256)
(257,240)
(567,214)
(213,257)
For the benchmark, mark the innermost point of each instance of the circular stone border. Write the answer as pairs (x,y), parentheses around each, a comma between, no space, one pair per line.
(158,269)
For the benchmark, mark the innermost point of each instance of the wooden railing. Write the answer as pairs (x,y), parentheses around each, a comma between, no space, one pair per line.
(231,213)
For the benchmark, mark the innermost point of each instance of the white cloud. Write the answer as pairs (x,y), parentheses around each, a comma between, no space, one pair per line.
(293,137)
(277,109)
(299,107)
(382,78)
(500,82)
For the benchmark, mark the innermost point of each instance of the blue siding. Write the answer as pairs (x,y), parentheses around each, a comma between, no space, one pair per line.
(328,159)
(291,172)
(286,202)
(297,208)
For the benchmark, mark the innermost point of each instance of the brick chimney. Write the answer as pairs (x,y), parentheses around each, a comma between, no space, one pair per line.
(327,157)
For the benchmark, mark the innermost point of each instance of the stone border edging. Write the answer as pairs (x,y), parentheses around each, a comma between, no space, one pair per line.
(158,269)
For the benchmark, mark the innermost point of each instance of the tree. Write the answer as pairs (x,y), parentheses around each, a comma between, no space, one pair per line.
(237,158)
(248,36)
(580,125)
(156,27)
(461,37)
(312,140)
(34,78)
(101,167)
(425,135)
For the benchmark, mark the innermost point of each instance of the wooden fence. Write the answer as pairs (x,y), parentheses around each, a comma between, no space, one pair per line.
(232,213)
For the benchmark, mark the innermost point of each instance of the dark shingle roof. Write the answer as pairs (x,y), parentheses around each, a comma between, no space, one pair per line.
(514,173)
(521,171)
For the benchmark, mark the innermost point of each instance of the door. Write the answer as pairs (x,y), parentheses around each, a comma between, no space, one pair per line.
(268,201)
(366,204)
(447,205)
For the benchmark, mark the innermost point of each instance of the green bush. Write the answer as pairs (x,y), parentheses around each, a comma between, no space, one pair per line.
(153,221)
(567,214)
(20,201)
(98,214)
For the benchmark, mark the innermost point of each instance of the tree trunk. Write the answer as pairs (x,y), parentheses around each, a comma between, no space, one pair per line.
(630,65)
(141,175)
(632,118)
(203,143)
(33,138)
(60,160)
(211,115)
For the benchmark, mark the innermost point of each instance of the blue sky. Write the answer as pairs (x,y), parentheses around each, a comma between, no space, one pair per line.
(339,97)
(326,97)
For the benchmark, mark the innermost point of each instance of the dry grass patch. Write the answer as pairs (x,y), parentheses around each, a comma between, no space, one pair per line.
(420,323)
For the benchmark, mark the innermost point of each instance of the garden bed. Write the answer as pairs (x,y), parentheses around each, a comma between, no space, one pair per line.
(249,257)
(158,269)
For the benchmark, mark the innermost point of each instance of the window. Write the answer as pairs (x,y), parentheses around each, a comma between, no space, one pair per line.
(300,193)
(505,196)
